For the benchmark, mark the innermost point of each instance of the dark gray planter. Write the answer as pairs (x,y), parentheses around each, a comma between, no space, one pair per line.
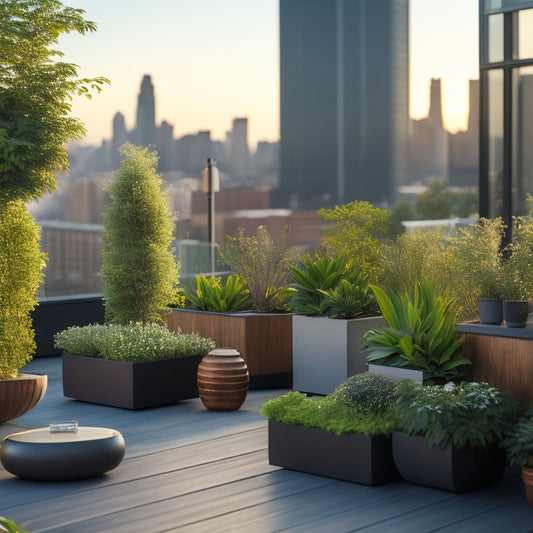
(515,313)
(445,468)
(351,457)
(130,385)
(490,311)
(327,351)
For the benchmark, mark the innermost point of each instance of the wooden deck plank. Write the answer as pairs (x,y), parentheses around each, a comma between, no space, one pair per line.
(189,469)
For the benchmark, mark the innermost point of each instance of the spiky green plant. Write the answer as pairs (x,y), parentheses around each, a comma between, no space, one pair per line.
(213,294)
(420,333)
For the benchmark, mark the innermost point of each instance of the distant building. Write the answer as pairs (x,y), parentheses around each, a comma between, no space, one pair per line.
(145,130)
(428,144)
(238,154)
(343,101)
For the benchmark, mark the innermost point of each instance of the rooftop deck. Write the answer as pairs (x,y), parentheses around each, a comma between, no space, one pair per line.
(189,469)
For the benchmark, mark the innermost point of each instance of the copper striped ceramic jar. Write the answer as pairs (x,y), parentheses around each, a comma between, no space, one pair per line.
(223,380)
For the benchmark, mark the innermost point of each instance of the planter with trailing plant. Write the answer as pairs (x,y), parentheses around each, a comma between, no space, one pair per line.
(345,435)
(450,436)
(248,311)
(420,335)
(519,450)
(333,309)
(133,366)
(35,126)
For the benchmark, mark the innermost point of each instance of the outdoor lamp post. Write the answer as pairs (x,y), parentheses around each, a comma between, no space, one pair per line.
(210,185)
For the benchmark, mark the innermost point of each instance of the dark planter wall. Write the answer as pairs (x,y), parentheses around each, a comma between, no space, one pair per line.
(58,313)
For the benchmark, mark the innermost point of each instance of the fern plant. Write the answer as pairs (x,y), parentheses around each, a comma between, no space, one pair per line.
(420,333)
(468,414)
(212,294)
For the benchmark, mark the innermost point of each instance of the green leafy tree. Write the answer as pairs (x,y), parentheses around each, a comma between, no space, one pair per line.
(435,203)
(35,95)
(21,265)
(354,232)
(139,271)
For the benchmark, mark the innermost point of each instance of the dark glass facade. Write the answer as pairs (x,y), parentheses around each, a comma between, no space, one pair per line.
(344,89)
(506,121)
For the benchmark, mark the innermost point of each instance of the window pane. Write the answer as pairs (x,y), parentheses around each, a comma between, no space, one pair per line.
(495,142)
(522,181)
(525,34)
(495,38)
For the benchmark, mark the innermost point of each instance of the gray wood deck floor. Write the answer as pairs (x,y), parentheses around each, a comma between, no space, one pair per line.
(189,469)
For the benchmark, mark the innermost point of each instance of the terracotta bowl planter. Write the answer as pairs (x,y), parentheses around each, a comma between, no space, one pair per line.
(19,395)
(527,478)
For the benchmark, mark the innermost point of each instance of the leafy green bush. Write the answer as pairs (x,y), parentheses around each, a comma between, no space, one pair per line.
(519,442)
(213,294)
(139,271)
(370,392)
(21,266)
(264,263)
(130,342)
(420,333)
(328,414)
(330,287)
(353,232)
(469,414)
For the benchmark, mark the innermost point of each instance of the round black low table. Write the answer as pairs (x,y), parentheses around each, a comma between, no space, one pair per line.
(44,456)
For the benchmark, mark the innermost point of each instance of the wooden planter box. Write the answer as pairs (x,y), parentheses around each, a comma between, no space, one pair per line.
(352,457)
(130,385)
(326,351)
(264,341)
(445,468)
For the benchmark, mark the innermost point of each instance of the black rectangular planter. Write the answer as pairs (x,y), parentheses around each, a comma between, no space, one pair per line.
(351,457)
(445,468)
(130,385)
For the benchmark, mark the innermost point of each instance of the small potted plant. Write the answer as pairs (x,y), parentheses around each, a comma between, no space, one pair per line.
(133,366)
(519,450)
(345,435)
(419,341)
(450,436)
(262,331)
(333,308)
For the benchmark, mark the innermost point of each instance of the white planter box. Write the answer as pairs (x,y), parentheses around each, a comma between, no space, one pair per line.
(326,351)
(397,374)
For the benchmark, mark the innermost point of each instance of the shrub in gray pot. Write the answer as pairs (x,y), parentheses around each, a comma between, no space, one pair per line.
(333,308)
(345,435)
(451,436)
(420,334)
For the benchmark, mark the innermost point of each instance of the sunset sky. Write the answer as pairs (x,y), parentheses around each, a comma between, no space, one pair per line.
(214,60)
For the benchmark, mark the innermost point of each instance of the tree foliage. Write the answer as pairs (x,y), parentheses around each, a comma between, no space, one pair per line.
(36,90)
(139,271)
(21,265)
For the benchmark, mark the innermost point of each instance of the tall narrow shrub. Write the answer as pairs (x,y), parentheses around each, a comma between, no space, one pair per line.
(21,266)
(139,271)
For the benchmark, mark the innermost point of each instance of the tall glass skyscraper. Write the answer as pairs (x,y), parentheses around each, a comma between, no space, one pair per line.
(344,87)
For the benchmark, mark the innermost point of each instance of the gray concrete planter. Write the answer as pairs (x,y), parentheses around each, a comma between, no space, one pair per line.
(326,351)
(352,457)
(397,374)
(130,385)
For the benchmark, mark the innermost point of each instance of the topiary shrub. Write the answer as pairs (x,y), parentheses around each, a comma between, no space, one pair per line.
(21,272)
(371,392)
(139,271)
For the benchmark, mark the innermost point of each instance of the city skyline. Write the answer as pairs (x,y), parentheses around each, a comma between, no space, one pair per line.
(204,77)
